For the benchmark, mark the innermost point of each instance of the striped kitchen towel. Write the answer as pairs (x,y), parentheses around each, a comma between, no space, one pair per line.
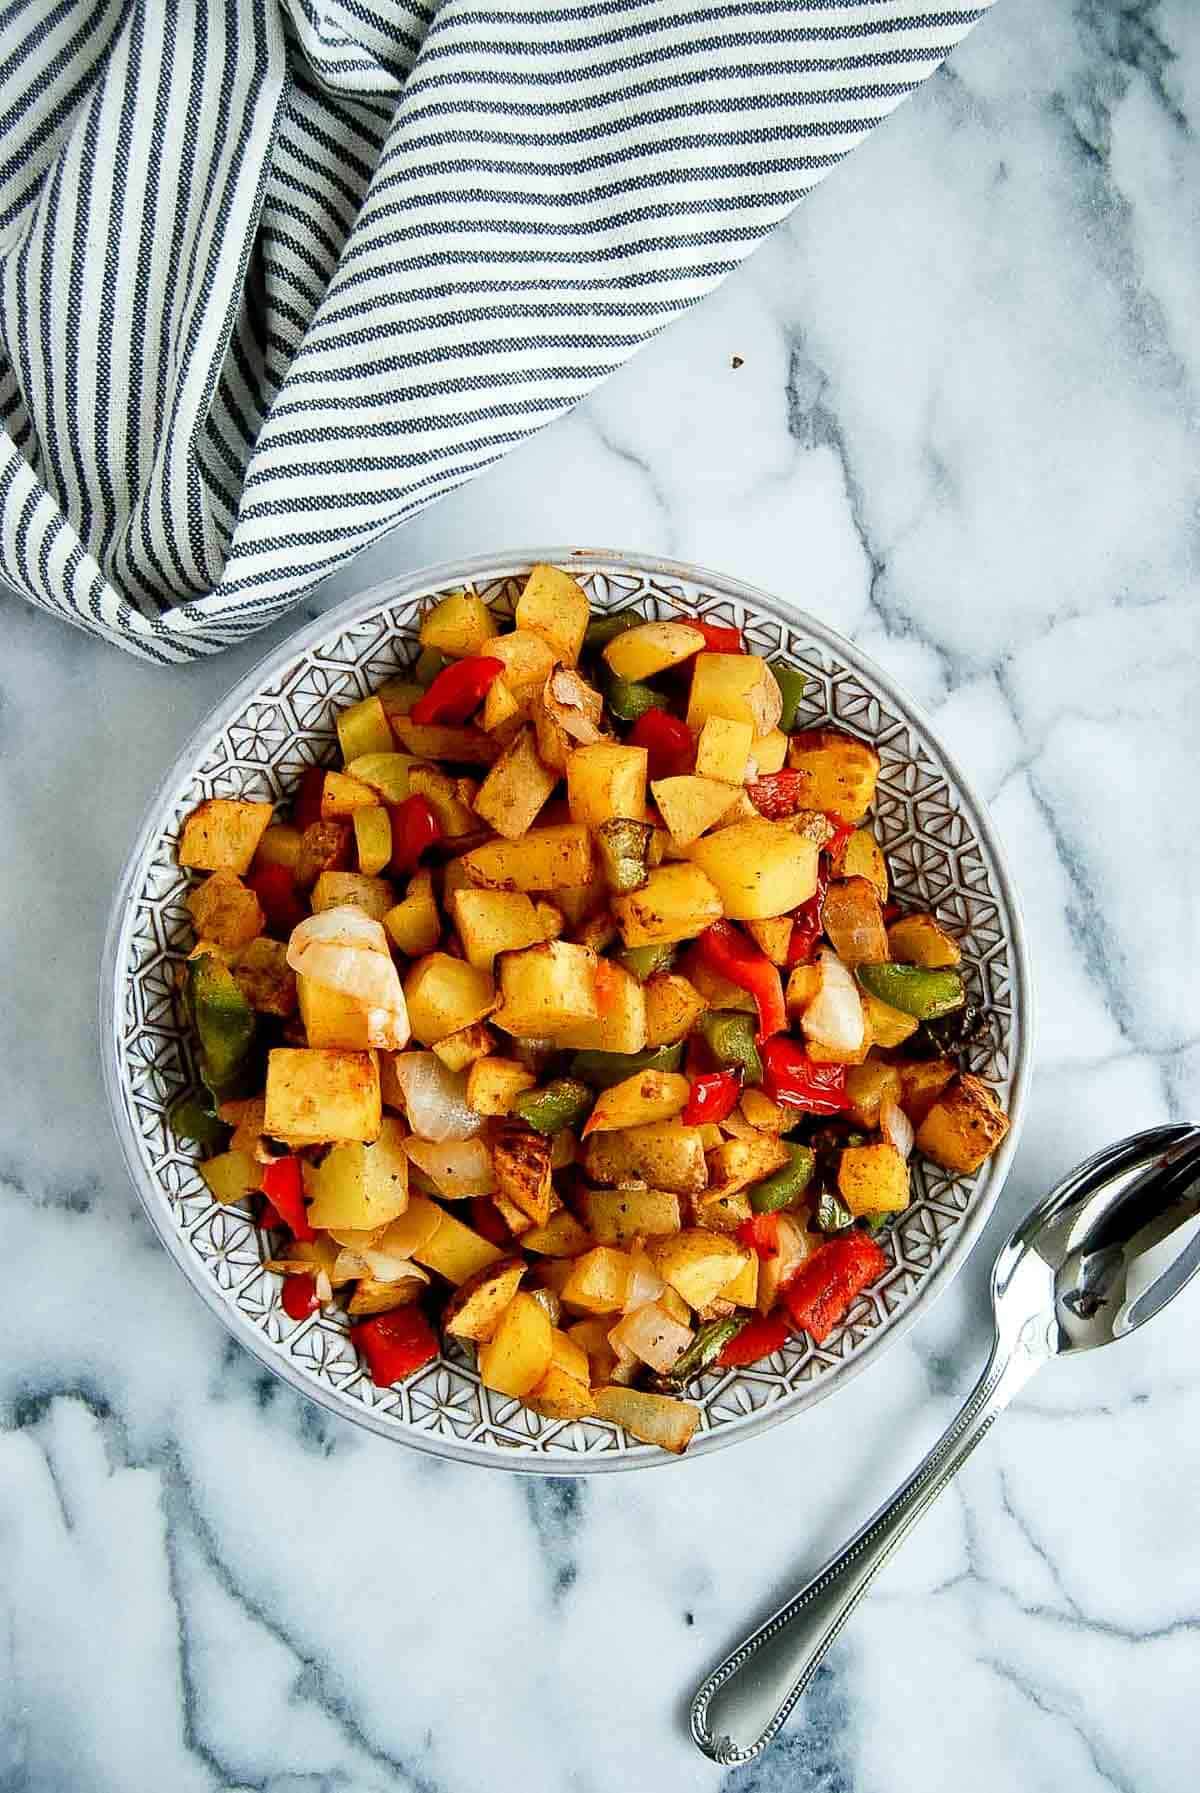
(276,273)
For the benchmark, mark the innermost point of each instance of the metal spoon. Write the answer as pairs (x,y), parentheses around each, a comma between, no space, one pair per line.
(1094,1261)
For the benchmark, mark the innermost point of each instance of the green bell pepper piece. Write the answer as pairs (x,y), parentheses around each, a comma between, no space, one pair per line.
(788,1184)
(191,1117)
(831,1214)
(602,1069)
(624,845)
(704,1350)
(562,1103)
(644,961)
(224,1022)
(627,699)
(914,990)
(729,1036)
(791,682)
(603,629)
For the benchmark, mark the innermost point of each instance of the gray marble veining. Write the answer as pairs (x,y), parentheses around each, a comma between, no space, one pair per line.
(952,409)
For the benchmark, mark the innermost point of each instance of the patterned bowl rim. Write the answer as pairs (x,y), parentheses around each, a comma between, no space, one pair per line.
(486,569)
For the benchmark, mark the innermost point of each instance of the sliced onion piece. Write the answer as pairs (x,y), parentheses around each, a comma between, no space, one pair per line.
(435,1099)
(896,1127)
(384,1267)
(347,925)
(575,705)
(645,1284)
(834,1018)
(455,1167)
(653,1335)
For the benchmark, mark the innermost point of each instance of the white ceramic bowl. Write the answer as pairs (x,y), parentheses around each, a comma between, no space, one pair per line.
(942,853)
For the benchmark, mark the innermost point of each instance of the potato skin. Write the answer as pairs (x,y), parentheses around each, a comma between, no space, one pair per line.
(964,1126)
(476,1305)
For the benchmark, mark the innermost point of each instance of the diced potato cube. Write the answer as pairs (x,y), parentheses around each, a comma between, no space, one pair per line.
(697,1263)
(740,1162)
(723,750)
(459,626)
(638,1100)
(231,1175)
(620,1021)
(374,896)
(360,1186)
(316,1095)
(467,1047)
(521,1163)
(550,918)
(839,772)
(655,1419)
(619,1216)
(372,839)
(598,1281)
(677,902)
(758,868)
(743,1290)
(547,990)
(516,788)
(560,1237)
(964,1126)
(527,659)
(225,911)
(918,940)
(324,847)
(265,978)
(861,856)
(921,1083)
(494,921)
(773,936)
(464,746)
(445,995)
(770,753)
(764,1115)
(673,1007)
(664,1154)
(547,859)
(649,648)
(341,795)
(605,781)
(364,728)
(474,1310)
(738,687)
(492,1084)
(221,835)
(374,1295)
(331,1019)
(414,925)
(690,806)
(853,920)
(453,1250)
(868,1086)
(503,711)
(386,773)
(803,983)
(554,744)
(555,606)
(518,1354)
(280,845)
(873,1179)
(585,900)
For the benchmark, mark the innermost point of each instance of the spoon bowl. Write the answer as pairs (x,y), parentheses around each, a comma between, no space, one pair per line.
(1108,1249)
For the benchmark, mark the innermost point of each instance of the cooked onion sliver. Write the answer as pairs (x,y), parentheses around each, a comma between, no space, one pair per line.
(645,1284)
(834,1018)
(384,1267)
(456,1167)
(895,1126)
(653,1335)
(575,705)
(435,1099)
(347,925)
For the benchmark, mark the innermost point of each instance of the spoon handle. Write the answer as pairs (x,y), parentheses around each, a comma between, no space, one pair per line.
(745,1702)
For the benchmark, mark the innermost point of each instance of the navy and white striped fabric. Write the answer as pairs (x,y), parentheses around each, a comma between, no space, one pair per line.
(275,273)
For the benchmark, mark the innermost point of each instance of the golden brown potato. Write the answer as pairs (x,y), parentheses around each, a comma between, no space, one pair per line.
(697,1263)
(743,1290)
(690,806)
(459,626)
(769,754)
(650,648)
(386,773)
(547,990)
(374,896)
(316,1095)
(839,772)
(918,940)
(759,868)
(605,781)
(324,847)
(453,1250)
(678,902)
(265,978)
(561,1237)
(445,995)
(475,1307)
(723,750)
(329,1018)
(341,795)
(560,1396)
(231,1175)
(360,1186)
(598,1281)
(494,921)
(672,1006)
(868,1086)
(521,1163)
(921,1083)
(665,1154)
(547,859)
(773,937)
(372,839)
(739,687)
(516,788)
(225,911)
(519,1352)
(363,728)
(374,1295)
(853,920)
(436,741)
(469,1044)
(740,1162)
(764,1115)
(504,710)
(619,1216)
(555,606)
(964,1126)
(861,856)
(492,1084)
(638,1100)
(873,1179)
(528,660)
(414,925)
(280,845)
(803,983)
(619,1024)
(222,833)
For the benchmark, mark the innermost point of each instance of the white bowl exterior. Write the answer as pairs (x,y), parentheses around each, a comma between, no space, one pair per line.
(942,853)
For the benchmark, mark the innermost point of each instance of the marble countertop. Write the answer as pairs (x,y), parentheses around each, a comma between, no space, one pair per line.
(952,410)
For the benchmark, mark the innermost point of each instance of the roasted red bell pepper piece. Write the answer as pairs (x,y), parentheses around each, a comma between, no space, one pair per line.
(760,1234)
(275,888)
(719,638)
(458,690)
(728,952)
(794,1080)
(668,743)
(841,833)
(807,925)
(299,1297)
(487,1219)
(820,1294)
(283,1187)
(395,1344)
(307,808)
(714,1095)
(269,1218)
(758,1338)
(414,828)
(776,794)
